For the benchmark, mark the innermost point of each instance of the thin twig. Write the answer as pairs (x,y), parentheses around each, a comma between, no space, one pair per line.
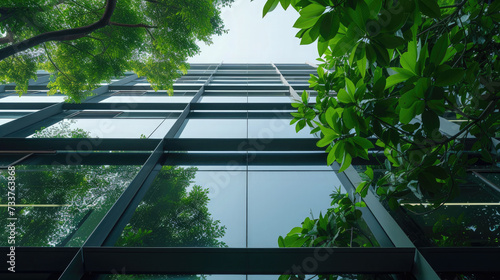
(55,66)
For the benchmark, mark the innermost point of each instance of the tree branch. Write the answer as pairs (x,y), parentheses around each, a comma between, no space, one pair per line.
(60,35)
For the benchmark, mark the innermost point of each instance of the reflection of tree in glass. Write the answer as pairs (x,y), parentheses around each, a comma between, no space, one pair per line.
(83,194)
(172,214)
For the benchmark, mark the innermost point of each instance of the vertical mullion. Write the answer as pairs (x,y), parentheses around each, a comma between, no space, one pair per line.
(379,218)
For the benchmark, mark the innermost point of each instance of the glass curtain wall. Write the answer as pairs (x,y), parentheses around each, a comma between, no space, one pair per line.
(133,183)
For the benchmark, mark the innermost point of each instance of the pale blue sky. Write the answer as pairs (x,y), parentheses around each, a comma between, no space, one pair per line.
(252,38)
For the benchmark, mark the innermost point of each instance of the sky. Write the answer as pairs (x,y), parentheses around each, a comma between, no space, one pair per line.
(253,39)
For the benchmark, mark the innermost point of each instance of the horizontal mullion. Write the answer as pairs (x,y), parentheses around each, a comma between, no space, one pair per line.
(463,259)
(248,260)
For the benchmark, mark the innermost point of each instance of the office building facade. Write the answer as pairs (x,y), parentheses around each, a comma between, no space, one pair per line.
(134,183)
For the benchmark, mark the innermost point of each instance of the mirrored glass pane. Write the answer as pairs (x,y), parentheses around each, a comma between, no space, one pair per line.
(223,99)
(280,201)
(471,218)
(276,128)
(147,99)
(185,207)
(59,205)
(270,99)
(33,98)
(109,128)
(214,128)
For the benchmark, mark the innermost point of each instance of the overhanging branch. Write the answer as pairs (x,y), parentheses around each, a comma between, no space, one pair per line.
(60,35)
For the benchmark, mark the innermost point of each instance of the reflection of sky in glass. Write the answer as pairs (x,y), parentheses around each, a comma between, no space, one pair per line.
(214,128)
(63,203)
(280,201)
(148,99)
(2,121)
(269,99)
(275,128)
(227,202)
(122,128)
(223,99)
(31,99)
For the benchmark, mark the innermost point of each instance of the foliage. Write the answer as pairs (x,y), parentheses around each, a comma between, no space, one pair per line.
(151,37)
(389,70)
(61,130)
(341,226)
(170,215)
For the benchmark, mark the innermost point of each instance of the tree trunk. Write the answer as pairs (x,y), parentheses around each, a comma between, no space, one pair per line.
(60,35)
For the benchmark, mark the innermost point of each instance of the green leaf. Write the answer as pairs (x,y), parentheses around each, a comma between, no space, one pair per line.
(300,125)
(389,41)
(378,88)
(439,50)
(346,162)
(429,8)
(430,121)
(369,172)
(351,89)
(403,71)
(362,66)
(326,140)
(395,79)
(285,4)
(281,242)
(331,157)
(344,97)
(269,6)
(304,97)
(312,10)
(329,25)
(449,77)
(304,23)
(349,118)
(329,115)
(408,99)
(363,142)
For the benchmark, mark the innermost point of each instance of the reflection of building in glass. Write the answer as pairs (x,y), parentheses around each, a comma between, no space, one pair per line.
(204,182)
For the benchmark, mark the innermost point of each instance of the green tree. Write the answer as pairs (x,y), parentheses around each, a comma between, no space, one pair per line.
(170,214)
(173,215)
(82,43)
(389,70)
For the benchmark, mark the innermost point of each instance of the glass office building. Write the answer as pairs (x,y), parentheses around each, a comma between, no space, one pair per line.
(136,184)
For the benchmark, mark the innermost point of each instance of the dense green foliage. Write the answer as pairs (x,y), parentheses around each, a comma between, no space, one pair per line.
(172,215)
(153,38)
(390,69)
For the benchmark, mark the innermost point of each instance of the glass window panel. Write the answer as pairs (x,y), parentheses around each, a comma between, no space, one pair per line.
(470,219)
(279,201)
(61,205)
(269,99)
(147,99)
(275,128)
(223,99)
(14,114)
(214,128)
(2,121)
(112,128)
(34,98)
(185,207)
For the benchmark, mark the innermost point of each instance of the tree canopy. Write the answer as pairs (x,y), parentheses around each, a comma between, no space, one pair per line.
(82,43)
(388,71)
